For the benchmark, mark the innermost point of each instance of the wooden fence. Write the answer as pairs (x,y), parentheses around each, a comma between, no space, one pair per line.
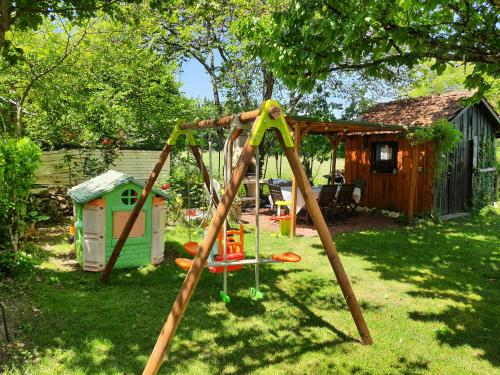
(64,167)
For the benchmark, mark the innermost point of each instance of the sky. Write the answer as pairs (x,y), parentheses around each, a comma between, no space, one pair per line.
(196,84)
(195,81)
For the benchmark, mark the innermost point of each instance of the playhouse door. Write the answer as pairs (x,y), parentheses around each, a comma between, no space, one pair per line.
(158,230)
(93,238)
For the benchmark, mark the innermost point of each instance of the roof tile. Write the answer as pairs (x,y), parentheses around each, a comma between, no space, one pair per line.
(423,111)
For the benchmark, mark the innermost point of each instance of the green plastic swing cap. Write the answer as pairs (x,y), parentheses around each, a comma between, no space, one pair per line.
(177,132)
(264,122)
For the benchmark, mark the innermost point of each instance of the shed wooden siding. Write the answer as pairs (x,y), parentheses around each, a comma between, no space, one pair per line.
(387,190)
(455,188)
(54,170)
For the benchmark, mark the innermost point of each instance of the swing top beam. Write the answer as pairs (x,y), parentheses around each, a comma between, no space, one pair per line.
(314,125)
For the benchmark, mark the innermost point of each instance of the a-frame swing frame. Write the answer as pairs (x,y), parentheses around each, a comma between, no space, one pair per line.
(269,116)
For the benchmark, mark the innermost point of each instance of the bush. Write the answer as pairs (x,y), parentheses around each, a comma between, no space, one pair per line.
(19,160)
(186,187)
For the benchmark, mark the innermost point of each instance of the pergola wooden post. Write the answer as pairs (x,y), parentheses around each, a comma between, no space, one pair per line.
(265,121)
(334,141)
(298,135)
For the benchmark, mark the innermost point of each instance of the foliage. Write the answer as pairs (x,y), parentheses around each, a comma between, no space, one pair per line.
(112,91)
(426,81)
(308,40)
(314,147)
(445,137)
(16,263)
(18,162)
(124,95)
(186,182)
(484,182)
(25,15)
(44,52)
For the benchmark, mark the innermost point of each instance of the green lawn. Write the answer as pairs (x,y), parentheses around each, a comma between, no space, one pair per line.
(430,296)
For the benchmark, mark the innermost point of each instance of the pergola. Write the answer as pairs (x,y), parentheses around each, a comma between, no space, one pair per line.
(335,131)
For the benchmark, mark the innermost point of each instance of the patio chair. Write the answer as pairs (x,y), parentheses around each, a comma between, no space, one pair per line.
(278,201)
(360,184)
(326,200)
(326,203)
(344,198)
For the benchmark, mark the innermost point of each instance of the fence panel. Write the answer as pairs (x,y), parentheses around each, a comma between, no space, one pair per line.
(63,167)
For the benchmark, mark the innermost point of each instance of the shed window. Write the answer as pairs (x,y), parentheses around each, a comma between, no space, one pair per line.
(384,157)
(129,197)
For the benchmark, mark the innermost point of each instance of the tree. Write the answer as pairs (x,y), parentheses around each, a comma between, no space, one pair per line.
(426,81)
(115,92)
(28,14)
(310,39)
(18,80)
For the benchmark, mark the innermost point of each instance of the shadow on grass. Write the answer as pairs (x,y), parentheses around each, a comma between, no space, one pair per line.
(456,261)
(112,328)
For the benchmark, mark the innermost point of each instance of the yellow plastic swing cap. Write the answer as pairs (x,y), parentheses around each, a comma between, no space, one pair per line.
(264,121)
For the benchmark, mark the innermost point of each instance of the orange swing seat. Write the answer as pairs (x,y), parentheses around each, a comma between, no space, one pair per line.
(287,257)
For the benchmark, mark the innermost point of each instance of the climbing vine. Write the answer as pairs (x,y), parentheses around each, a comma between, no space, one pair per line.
(445,137)
(484,182)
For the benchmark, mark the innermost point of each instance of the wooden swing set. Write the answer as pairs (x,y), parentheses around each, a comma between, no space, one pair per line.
(269,116)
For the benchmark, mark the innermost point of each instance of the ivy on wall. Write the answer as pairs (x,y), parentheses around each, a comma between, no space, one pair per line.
(445,137)
(484,183)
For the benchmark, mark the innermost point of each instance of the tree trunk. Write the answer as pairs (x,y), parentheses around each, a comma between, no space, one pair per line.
(4,20)
(268,84)
(19,119)
(215,85)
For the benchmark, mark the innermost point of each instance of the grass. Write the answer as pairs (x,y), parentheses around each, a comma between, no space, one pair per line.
(430,296)
(272,171)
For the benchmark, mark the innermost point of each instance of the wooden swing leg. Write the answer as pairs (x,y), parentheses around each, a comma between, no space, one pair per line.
(167,333)
(135,213)
(326,239)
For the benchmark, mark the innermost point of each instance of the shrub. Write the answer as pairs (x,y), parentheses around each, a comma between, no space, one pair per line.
(186,187)
(19,160)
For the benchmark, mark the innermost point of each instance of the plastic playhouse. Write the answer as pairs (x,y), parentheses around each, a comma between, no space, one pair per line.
(102,206)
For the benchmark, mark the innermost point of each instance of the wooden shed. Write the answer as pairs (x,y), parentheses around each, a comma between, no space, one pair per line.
(386,160)
(102,206)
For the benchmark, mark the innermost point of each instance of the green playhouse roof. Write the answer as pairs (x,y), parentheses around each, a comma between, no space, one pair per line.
(102,184)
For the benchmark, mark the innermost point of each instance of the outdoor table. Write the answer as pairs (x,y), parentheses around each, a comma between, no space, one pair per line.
(286,191)
(356,194)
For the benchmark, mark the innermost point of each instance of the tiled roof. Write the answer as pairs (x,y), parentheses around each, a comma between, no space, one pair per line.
(424,110)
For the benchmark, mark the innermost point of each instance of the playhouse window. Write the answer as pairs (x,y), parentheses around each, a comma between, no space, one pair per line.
(120,218)
(384,157)
(129,197)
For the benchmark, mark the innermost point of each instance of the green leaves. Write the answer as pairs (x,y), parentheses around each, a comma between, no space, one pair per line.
(312,37)
(19,160)
(111,91)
